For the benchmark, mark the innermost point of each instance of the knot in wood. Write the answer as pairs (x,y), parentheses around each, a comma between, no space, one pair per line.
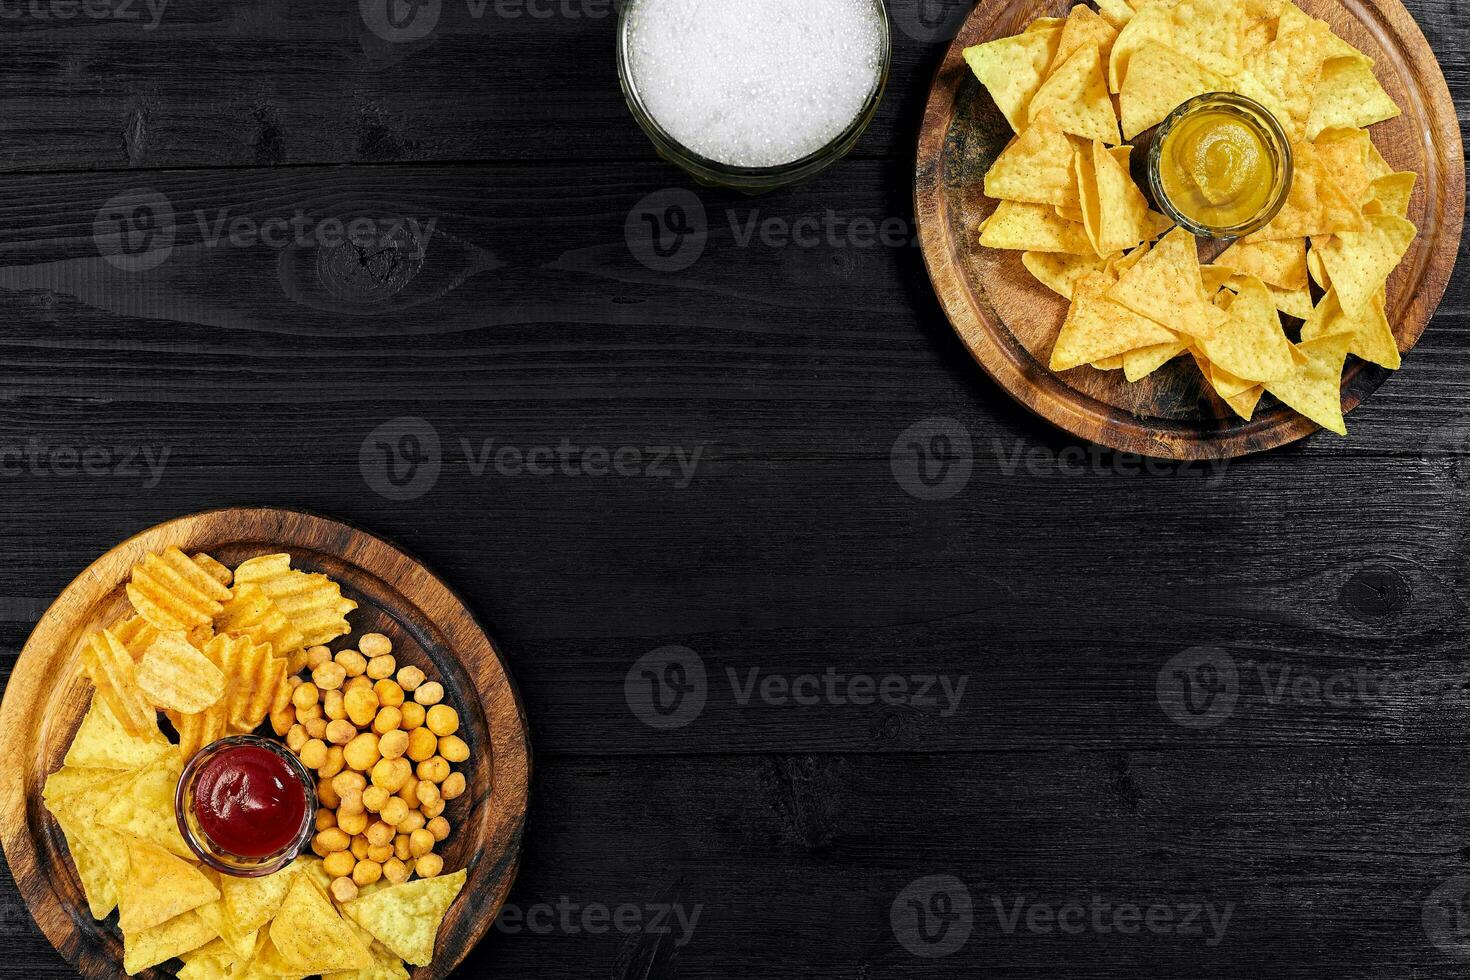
(1375,593)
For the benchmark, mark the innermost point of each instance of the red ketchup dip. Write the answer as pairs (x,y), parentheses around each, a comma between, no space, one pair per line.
(249,802)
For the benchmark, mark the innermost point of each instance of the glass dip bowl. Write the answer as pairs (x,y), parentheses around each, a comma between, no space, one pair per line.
(750,179)
(248,789)
(1240,210)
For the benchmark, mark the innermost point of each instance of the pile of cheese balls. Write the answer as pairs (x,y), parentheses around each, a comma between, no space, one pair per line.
(382,744)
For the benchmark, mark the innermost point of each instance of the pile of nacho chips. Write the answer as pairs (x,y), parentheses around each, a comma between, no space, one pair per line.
(214,649)
(1075,89)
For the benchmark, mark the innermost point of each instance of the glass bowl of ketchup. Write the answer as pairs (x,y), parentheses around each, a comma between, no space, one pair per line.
(246,806)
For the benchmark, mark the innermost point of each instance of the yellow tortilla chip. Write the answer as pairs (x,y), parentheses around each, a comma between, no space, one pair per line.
(102,742)
(1077,94)
(1369,334)
(160,886)
(1139,364)
(1159,79)
(1058,271)
(1315,388)
(1012,69)
(144,807)
(1121,264)
(212,961)
(1123,215)
(1150,23)
(165,941)
(98,886)
(1214,277)
(1097,328)
(1359,263)
(1250,344)
(406,918)
(1377,166)
(1035,167)
(1344,154)
(1277,263)
(1390,194)
(1033,228)
(1348,95)
(1314,262)
(1292,302)
(1213,32)
(1244,404)
(1084,28)
(1283,75)
(311,937)
(1116,12)
(252,902)
(1315,205)
(1166,287)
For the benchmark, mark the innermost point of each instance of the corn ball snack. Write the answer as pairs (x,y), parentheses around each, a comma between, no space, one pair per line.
(383,745)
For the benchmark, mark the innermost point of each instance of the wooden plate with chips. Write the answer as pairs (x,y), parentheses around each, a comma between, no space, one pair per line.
(430,627)
(1009,320)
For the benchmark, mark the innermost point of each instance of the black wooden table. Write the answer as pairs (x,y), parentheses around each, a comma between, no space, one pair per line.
(839,664)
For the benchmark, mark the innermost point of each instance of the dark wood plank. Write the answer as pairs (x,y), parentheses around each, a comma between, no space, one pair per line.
(792,863)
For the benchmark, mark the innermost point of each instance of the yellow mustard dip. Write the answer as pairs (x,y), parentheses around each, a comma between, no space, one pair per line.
(1216,168)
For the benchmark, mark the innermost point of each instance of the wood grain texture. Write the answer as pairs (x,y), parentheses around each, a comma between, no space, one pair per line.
(1061,578)
(46,698)
(1009,321)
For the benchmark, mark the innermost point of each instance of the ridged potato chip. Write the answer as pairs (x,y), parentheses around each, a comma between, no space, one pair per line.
(313,602)
(112,670)
(177,677)
(250,612)
(174,592)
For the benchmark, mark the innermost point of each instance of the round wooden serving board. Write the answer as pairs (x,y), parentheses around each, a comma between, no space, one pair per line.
(1009,321)
(396,595)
